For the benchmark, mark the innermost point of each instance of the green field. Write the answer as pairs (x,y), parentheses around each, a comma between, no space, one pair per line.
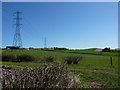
(94,69)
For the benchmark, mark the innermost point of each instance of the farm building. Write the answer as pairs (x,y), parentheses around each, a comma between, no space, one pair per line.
(98,49)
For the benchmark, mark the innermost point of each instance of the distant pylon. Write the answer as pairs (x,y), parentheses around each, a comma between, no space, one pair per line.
(17,37)
(45,44)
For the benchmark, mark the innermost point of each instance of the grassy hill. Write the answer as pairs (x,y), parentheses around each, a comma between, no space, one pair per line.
(92,52)
(94,70)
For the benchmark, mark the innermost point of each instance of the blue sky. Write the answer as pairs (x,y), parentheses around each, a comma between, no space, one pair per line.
(64,24)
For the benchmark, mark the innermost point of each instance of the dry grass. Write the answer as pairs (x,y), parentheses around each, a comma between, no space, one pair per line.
(54,76)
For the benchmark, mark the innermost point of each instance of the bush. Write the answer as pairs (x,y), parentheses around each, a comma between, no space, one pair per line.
(8,57)
(49,58)
(57,48)
(22,58)
(73,59)
(17,58)
(76,60)
(68,60)
(106,50)
(54,76)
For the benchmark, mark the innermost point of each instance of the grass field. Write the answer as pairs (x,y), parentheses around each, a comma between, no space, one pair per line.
(93,70)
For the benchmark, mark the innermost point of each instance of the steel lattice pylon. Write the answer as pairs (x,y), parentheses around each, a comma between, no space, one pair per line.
(45,44)
(17,37)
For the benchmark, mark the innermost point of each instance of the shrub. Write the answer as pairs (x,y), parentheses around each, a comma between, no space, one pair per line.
(18,58)
(21,58)
(54,76)
(68,60)
(8,57)
(57,48)
(76,60)
(49,58)
(73,59)
(106,50)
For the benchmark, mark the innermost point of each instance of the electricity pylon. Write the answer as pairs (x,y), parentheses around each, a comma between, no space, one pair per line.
(17,37)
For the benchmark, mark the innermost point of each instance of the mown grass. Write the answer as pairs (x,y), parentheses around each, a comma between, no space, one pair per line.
(92,51)
(107,79)
(106,75)
(98,60)
(90,68)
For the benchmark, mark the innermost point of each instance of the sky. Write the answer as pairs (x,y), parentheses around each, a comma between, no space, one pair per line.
(74,25)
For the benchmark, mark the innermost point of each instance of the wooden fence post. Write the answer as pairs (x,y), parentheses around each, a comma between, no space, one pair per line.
(111,61)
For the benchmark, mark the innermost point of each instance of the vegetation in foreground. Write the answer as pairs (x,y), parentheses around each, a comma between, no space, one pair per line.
(94,70)
(55,76)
